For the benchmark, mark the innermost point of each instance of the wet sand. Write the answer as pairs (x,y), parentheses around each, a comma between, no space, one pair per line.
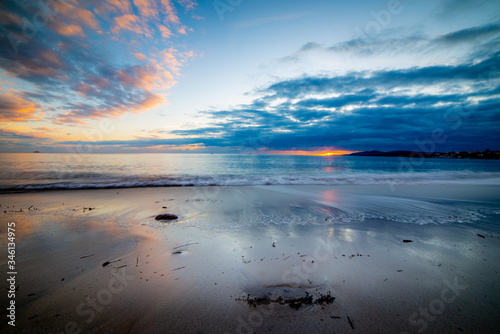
(116,269)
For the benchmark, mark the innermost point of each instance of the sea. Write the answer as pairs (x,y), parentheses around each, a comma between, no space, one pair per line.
(46,171)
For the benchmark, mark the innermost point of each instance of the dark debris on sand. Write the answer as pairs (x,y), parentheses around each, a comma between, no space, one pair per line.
(295,303)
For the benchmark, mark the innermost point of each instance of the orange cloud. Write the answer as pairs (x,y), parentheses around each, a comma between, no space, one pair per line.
(97,81)
(9,82)
(158,75)
(71,30)
(140,56)
(80,15)
(37,135)
(46,129)
(16,109)
(81,111)
(146,7)
(6,18)
(150,101)
(173,59)
(130,22)
(149,9)
(104,90)
(68,118)
(127,79)
(188,4)
(109,7)
(165,32)
(182,30)
(122,5)
(51,57)
(170,11)
(27,131)
(148,77)
(83,89)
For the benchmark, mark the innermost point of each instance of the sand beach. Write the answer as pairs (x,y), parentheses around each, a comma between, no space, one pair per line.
(257,259)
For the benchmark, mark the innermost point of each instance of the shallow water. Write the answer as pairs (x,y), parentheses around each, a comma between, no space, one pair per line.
(20,171)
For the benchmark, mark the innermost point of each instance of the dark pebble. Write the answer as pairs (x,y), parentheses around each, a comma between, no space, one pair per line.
(166,216)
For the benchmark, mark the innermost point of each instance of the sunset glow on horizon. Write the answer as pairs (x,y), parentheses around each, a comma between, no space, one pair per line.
(326,151)
(333,153)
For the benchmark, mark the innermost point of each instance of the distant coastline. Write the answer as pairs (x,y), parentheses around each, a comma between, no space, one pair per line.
(487,154)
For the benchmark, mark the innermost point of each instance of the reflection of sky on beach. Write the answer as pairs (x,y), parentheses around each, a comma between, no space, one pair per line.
(329,196)
(348,235)
(331,233)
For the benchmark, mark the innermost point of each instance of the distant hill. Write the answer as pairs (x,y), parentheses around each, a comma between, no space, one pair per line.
(388,154)
(487,154)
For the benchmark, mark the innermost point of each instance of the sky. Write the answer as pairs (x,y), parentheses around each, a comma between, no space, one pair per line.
(241,76)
